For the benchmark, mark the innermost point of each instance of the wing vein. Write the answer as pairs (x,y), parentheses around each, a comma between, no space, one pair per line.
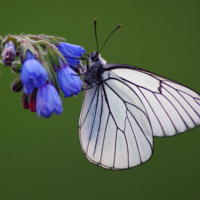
(135,140)
(153,111)
(126,138)
(115,147)
(104,136)
(89,107)
(99,123)
(175,107)
(93,119)
(166,112)
(140,127)
(124,100)
(180,103)
(188,104)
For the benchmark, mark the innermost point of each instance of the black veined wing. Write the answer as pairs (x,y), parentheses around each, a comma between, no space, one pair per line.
(124,107)
(172,108)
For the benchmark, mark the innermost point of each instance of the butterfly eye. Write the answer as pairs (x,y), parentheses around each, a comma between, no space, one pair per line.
(94,56)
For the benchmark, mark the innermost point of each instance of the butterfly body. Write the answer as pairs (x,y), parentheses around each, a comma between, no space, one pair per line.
(124,107)
(95,69)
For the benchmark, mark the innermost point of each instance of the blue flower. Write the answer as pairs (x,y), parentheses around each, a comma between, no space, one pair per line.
(33,73)
(48,101)
(70,83)
(71,50)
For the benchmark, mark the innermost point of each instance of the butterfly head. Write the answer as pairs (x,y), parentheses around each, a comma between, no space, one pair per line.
(93,56)
(95,60)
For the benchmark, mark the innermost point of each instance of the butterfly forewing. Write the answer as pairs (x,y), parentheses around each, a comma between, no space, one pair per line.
(172,108)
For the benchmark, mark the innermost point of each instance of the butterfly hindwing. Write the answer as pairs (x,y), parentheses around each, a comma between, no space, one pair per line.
(114,128)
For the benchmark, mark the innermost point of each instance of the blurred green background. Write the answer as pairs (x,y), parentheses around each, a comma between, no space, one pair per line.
(42,159)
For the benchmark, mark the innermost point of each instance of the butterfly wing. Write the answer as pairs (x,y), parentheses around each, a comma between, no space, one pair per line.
(172,108)
(114,128)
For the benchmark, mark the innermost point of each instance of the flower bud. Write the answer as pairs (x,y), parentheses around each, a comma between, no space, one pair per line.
(32,100)
(8,54)
(17,85)
(25,101)
(16,67)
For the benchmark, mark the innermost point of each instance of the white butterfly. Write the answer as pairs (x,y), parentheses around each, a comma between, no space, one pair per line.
(124,107)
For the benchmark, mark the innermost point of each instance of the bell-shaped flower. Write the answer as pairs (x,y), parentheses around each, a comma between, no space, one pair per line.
(33,74)
(71,51)
(70,83)
(48,101)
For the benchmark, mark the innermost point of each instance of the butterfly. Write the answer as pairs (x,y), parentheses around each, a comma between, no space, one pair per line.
(124,107)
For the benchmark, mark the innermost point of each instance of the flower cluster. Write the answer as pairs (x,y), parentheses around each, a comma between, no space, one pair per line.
(45,64)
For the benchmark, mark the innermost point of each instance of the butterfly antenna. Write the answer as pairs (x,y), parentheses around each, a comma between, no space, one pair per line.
(109,37)
(95,30)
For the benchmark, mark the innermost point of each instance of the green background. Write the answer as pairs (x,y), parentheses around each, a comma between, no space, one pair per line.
(42,159)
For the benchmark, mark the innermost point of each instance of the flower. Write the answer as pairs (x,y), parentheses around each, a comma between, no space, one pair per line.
(9,53)
(48,101)
(70,83)
(71,50)
(33,73)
